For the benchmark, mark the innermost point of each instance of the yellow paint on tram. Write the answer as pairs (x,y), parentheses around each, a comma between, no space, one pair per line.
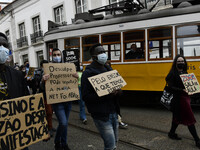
(149,76)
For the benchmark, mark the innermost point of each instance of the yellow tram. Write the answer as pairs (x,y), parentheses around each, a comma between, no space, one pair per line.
(159,35)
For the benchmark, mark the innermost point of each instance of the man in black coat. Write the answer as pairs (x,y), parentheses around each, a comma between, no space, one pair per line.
(12,83)
(103,109)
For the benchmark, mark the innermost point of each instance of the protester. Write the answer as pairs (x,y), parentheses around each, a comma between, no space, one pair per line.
(102,109)
(10,78)
(48,107)
(30,80)
(181,109)
(82,114)
(122,125)
(62,110)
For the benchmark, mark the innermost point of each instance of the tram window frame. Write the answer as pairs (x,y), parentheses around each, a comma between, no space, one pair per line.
(87,45)
(134,41)
(111,43)
(186,36)
(160,39)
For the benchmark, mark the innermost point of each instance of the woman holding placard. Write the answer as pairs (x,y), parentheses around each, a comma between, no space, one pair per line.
(181,109)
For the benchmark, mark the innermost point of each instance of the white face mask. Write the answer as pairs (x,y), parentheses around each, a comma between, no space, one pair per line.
(57,59)
(102,58)
(4,54)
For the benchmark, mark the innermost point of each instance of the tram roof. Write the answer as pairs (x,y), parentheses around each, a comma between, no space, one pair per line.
(130,18)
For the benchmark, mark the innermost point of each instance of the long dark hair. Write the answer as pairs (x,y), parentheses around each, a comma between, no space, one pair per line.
(174,71)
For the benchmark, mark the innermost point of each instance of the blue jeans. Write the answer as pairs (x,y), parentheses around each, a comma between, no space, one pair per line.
(108,131)
(82,106)
(62,111)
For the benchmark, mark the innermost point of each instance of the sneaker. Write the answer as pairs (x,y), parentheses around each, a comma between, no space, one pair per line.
(66,147)
(84,121)
(123,125)
(173,136)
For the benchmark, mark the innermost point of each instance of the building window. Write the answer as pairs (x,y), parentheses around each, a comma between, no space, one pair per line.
(22,41)
(188,40)
(22,32)
(160,43)
(36,24)
(59,15)
(112,45)
(9,40)
(87,42)
(81,6)
(25,58)
(134,45)
(40,57)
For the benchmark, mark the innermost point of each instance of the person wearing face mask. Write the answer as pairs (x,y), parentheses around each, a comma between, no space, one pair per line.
(102,109)
(12,83)
(181,109)
(62,110)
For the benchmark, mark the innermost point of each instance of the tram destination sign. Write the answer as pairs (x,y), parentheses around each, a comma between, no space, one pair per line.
(107,82)
(61,85)
(191,83)
(22,122)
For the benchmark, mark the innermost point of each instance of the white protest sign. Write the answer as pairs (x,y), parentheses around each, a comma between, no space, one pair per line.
(22,122)
(191,83)
(107,82)
(61,86)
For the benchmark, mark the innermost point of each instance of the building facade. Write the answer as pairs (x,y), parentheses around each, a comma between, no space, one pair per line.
(26,21)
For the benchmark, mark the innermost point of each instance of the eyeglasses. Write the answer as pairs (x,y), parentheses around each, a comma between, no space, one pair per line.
(180,61)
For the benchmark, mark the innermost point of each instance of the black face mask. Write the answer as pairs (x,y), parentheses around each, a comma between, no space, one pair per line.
(180,66)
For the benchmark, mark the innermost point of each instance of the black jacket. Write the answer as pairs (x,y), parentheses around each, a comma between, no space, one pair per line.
(99,107)
(16,83)
(176,85)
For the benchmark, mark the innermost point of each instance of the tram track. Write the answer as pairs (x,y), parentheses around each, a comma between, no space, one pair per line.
(144,127)
(119,141)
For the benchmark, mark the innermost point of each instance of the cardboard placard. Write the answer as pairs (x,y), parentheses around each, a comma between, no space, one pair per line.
(107,82)
(22,122)
(72,56)
(30,72)
(191,83)
(61,86)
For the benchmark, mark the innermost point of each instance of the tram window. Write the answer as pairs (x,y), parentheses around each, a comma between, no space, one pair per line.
(189,47)
(188,30)
(160,49)
(72,42)
(87,42)
(160,43)
(163,32)
(113,51)
(188,40)
(111,43)
(107,38)
(134,50)
(134,45)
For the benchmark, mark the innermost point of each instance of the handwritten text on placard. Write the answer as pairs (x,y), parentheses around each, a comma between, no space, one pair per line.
(107,82)
(22,122)
(61,86)
(191,83)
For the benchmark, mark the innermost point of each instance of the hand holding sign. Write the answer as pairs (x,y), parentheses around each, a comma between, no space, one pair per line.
(191,83)
(107,82)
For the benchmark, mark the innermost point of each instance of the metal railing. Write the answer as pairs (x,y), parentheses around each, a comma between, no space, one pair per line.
(36,37)
(22,41)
